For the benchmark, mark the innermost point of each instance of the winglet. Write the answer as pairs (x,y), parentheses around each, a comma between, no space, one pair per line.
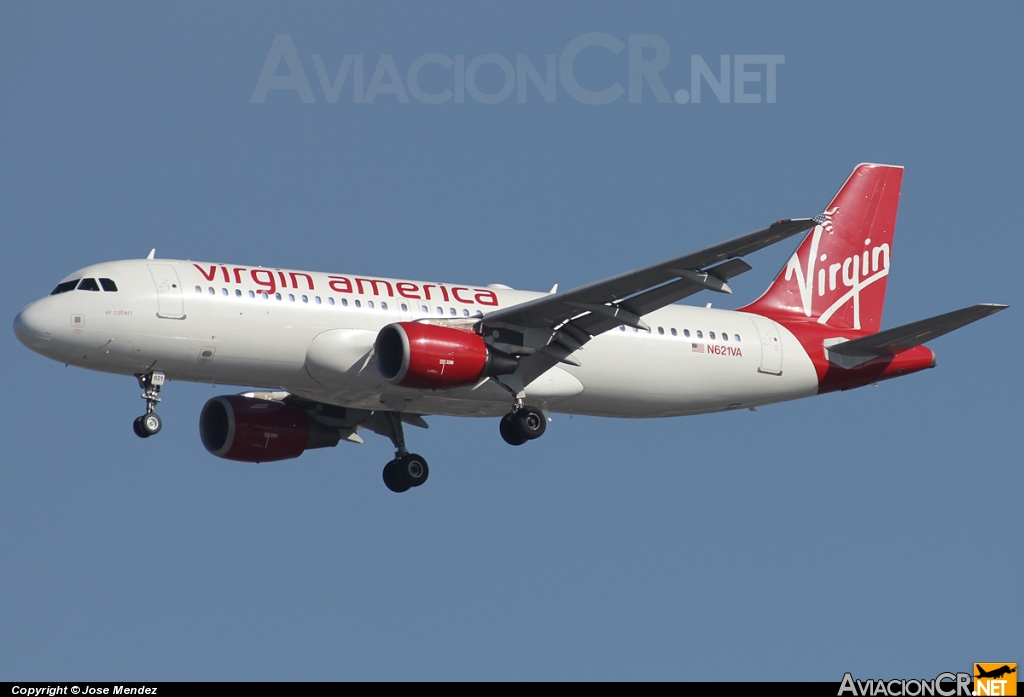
(152,253)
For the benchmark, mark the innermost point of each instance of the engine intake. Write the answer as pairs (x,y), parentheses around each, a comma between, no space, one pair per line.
(428,356)
(260,430)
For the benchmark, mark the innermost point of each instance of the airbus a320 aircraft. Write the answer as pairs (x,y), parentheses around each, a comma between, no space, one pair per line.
(334,354)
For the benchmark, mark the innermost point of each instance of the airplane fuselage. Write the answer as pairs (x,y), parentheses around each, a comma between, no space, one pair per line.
(311,334)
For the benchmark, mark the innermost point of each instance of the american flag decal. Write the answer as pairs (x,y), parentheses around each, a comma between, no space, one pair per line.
(697,348)
(825,219)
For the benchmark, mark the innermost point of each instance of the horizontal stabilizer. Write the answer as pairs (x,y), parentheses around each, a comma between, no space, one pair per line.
(898,339)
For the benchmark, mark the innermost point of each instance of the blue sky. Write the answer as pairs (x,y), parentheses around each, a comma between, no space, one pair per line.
(871,531)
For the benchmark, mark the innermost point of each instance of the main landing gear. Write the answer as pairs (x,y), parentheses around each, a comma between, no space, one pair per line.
(149,424)
(407,470)
(522,424)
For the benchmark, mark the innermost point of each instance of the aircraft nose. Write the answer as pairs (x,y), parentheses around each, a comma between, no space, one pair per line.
(34,325)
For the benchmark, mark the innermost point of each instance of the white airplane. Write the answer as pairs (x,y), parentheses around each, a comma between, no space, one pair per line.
(333,354)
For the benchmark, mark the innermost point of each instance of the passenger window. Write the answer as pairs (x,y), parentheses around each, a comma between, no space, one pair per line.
(711,335)
(88,284)
(674,331)
(622,327)
(405,308)
(383,306)
(252,294)
(369,304)
(305,299)
(211,291)
(725,336)
(238,293)
(223,291)
(266,296)
(452,311)
(277,296)
(465,313)
(686,333)
(479,313)
(344,302)
(198,289)
(700,334)
(291,297)
(64,287)
(635,330)
(424,309)
(736,336)
(330,301)
(108,285)
(359,303)
(318,300)
(661,330)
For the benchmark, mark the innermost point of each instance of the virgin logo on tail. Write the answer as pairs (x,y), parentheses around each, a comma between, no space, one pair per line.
(837,276)
(855,273)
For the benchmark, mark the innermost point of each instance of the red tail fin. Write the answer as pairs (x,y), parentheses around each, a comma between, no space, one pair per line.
(838,274)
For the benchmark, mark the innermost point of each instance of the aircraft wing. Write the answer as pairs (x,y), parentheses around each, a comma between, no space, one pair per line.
(551,328)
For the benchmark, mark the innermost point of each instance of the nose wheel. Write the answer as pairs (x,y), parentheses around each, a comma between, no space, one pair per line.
(150,423)
(521,425)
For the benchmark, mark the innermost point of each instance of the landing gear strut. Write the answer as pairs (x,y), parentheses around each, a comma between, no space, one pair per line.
(149,424)
(522,424)
(407,470)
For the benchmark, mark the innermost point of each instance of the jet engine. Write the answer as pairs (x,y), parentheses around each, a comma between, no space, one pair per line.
(430,356)
(260,430)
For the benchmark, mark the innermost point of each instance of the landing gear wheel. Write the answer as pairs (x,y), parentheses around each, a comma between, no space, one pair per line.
(509,431)
(391,478)
(407,469)
(406,472)
(150,424)
(137,427)
(412,470)
(530,422)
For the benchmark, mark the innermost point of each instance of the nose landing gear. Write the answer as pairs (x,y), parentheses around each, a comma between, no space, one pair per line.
(149,424)
(522,424)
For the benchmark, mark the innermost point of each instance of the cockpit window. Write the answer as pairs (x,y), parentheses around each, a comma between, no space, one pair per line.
(64,287)
(89,284)
(108,285)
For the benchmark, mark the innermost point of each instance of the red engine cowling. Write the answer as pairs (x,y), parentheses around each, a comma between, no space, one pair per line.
(428,356)
(253,430)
